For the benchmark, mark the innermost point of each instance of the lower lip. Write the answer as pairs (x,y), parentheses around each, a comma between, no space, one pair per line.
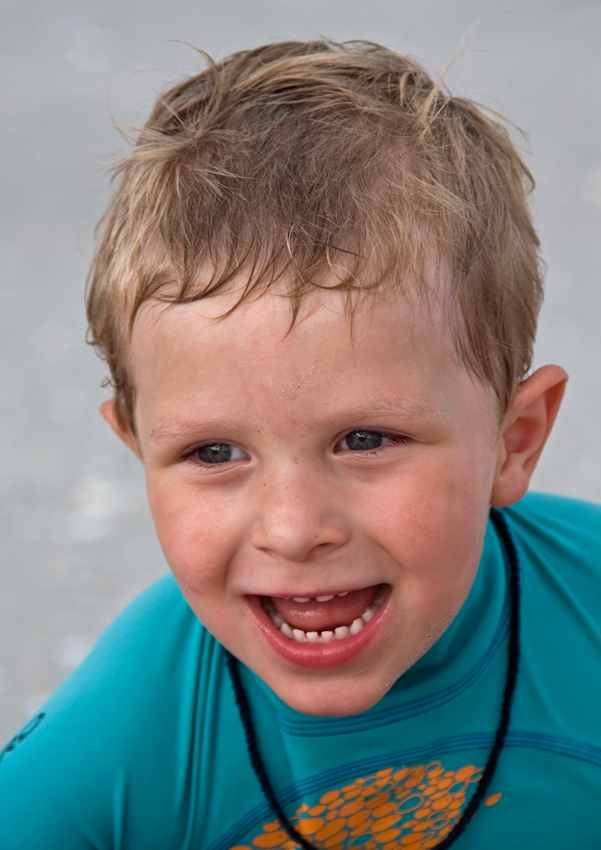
(335,653)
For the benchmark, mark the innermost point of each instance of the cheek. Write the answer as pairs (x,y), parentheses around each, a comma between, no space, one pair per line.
(444,500)
(432,524)
(195,533)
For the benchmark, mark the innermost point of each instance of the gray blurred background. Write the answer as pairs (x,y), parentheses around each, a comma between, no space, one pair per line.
(76,542)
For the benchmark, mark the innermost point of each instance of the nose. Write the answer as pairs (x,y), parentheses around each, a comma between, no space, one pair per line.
(299,516)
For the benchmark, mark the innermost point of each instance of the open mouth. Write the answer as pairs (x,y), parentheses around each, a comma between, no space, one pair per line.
(323,631)
(321,619)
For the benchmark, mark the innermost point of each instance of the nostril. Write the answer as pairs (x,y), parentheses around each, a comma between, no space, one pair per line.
(297,538)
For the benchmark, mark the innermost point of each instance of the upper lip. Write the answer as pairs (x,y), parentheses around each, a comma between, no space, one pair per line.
(312,594)
(289,594)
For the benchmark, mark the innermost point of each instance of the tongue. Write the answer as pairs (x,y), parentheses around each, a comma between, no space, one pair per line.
(322,616)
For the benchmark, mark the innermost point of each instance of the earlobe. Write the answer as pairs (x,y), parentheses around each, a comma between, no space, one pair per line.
(525,430)
(109,414)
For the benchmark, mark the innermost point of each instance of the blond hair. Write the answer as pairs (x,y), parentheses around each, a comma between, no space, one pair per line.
(298,158)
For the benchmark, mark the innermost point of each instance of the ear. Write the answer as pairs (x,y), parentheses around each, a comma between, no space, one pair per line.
(108,411)
(524,432)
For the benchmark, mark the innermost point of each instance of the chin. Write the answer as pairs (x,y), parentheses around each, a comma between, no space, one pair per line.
(332,698)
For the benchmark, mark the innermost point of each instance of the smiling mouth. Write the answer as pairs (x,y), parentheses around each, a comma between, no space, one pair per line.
(322,619)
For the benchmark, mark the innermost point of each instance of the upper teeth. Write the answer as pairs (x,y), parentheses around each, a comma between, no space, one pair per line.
(339,633)
(318,598)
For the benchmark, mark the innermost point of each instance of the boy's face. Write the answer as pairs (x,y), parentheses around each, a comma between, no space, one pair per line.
(310,463)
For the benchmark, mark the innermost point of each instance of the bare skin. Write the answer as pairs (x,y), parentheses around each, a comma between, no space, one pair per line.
(287,466)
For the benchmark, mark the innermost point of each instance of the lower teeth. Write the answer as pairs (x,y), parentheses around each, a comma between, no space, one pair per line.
(340,633)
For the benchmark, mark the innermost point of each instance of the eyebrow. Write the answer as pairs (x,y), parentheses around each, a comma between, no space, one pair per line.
(172,428)
(385,407)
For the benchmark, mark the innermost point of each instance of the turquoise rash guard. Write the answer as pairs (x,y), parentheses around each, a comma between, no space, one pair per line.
(142,747)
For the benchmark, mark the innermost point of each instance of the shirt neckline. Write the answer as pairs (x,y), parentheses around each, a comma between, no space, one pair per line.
(451,665)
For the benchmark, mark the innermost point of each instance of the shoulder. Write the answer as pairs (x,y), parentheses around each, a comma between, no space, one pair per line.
(559,544)
(154,646)
(557,527)
(560,510)
(118,728)
(158,610)
(153,637)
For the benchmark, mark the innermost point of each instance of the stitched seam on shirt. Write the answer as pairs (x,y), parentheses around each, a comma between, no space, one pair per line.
(29,727)
(343,726)
(403,712)
(555,744)
(473,741)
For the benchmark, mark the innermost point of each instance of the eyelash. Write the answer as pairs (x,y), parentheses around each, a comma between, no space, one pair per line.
(193,457)
(394,440)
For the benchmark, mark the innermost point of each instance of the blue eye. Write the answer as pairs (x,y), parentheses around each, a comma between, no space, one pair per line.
(364,441)
(219,453)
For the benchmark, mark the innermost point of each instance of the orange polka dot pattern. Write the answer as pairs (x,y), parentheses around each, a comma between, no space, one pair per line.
(409,809)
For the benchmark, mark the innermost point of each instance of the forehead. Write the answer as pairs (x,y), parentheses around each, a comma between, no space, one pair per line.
(386,355)
(426,293)
(327,320)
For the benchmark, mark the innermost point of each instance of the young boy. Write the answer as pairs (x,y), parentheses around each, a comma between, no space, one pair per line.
(316,290)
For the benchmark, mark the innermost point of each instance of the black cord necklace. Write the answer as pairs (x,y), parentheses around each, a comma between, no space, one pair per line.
(491,765)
